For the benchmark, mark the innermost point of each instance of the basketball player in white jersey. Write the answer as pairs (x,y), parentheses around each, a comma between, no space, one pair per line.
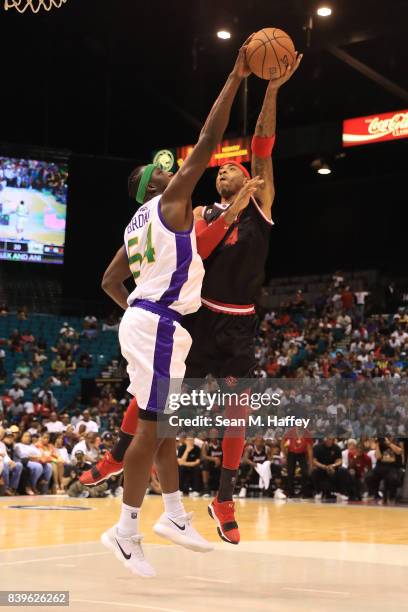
(160,252)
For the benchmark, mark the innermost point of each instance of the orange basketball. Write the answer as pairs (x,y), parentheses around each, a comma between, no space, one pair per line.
(269,52)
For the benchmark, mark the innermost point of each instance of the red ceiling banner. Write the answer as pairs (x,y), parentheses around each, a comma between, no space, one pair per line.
(237,149)
(376,128)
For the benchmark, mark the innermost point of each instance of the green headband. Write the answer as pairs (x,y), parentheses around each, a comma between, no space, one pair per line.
(144,182)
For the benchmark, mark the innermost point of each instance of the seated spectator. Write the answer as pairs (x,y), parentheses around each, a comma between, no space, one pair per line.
(189,467)
(88,447)
(54,425)
(70,365)
(74,487)
(211,460)
(22,375)
(31,457)
(67,331)
(50,455)
(328,476)
(359,466)
(90,327)
(27,339)
(15,341)
(11,470)
(37,371)
(111,323)
(4,309)
(388,453)
(89,424)
(16,393)
(255,453)
(58,365)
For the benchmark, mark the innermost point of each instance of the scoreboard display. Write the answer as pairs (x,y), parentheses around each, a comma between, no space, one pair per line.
(33,208)
(31,251)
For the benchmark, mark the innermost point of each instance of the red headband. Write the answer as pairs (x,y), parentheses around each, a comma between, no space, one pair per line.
(238,165)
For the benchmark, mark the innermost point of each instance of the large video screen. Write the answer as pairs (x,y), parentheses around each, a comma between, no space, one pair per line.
(33,209)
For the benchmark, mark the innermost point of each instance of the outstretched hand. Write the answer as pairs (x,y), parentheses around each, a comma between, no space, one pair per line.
(241,68)
(243,198)
(289,72)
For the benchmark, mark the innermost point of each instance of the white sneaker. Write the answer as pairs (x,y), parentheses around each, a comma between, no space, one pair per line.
(279,494)
(206,495)
(318,496)
(343,498)
(195,494)
(129,551)
(242,493)
(180,531)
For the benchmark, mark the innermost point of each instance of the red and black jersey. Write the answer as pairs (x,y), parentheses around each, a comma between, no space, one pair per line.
(234,271)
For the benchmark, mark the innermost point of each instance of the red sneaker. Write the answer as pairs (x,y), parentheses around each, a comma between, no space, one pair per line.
(103,470)
(223,515)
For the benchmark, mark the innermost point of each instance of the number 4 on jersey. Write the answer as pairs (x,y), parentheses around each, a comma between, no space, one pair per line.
(135,258)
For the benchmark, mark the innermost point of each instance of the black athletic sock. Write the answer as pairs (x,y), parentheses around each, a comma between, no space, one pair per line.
(121,446)
(227,484)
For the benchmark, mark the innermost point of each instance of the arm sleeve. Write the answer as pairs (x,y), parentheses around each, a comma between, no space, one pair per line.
(210,235)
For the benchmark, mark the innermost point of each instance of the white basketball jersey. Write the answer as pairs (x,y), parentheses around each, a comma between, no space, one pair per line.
(165,264)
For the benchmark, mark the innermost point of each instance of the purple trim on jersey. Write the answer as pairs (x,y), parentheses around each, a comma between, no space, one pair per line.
(180,275)
(169,228)
(157,308)
(163,351)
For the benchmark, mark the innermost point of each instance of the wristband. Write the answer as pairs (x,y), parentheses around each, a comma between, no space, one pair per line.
(262,146)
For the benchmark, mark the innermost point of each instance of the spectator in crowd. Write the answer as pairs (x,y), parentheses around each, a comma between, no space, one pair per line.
(389,453)
(54,425)
(90,426)
(90,327)
(50,455)
(31,457)
(88,447)
(256,453)
(328,475)
(63,462)
(211,460)
(16,393)
(58,365)
(296,447)
(189,459)
(74,487)
(359,466)
(11,470)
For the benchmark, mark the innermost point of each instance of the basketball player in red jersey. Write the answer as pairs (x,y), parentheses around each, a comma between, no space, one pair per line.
(234,249)
(233,240)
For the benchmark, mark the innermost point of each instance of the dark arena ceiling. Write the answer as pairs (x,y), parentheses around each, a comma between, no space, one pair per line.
(121,77)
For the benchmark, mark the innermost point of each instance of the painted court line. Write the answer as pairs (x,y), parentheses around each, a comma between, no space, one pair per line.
(76,556)
(115,604)
(316,591)
(208,579)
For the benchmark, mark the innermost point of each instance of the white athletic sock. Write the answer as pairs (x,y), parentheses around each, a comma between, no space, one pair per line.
(129,521)
(173,506)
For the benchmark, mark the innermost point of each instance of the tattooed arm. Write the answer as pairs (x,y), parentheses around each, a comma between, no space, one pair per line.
(265,128)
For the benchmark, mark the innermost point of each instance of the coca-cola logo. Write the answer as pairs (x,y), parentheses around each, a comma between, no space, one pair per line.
(396,125)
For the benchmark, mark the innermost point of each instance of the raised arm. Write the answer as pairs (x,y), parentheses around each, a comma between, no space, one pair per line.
(264,139)
(176,200)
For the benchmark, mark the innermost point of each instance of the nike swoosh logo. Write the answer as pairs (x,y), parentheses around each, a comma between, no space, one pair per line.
(182,528)
(123,552)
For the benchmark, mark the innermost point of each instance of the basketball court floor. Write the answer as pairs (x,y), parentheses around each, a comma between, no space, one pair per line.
(294,557)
